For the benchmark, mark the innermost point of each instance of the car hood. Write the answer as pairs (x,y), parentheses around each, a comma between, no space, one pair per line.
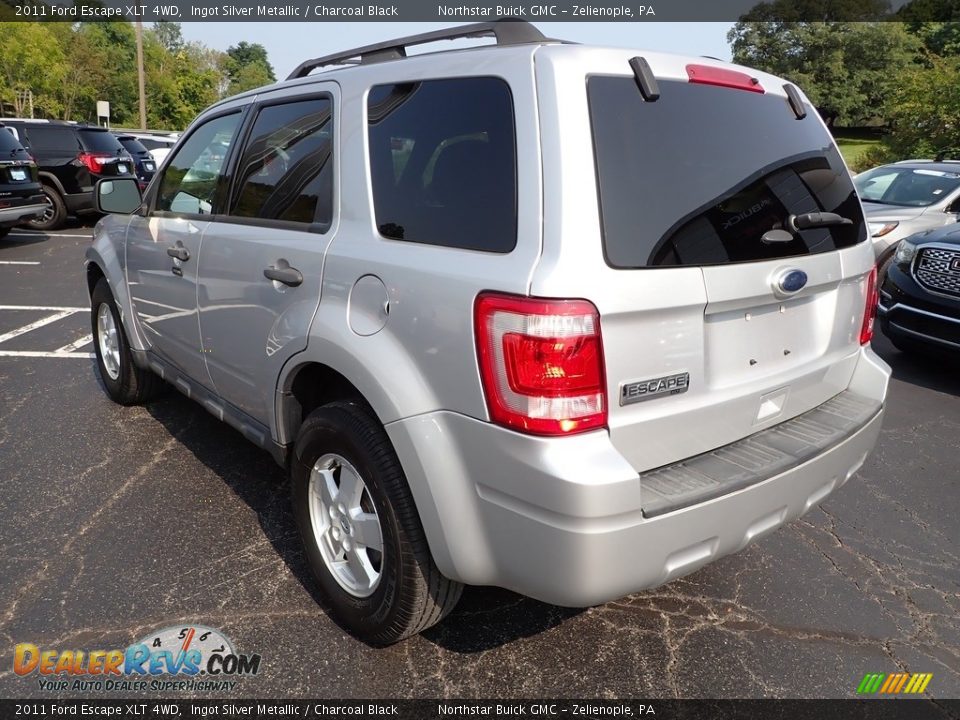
(946,235)
(875,212)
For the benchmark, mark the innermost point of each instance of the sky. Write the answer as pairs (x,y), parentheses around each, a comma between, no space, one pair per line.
(289,43)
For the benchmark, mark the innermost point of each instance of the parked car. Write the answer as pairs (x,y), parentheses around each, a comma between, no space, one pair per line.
(144,163)
(920,297)
(21,197)
(158,145)
(907,197)
(574,332)
(71,159)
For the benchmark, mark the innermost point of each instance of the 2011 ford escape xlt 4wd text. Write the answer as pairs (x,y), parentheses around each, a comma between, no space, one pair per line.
(566,320)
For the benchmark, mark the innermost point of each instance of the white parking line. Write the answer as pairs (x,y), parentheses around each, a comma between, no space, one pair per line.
(43,307)
(17,262)
(76,344)
(48,235)
(59,313)
(36,324)
(40,354)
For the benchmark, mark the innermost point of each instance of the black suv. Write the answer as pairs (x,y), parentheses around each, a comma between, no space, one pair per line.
(146,166)
(21,196)
(71,159)
(920,297)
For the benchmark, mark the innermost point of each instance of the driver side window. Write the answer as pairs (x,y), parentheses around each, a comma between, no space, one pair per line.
(194,175)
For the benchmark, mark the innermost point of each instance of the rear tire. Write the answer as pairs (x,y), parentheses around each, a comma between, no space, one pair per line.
(56,214)
(396,591)
(4,231)
(125,382)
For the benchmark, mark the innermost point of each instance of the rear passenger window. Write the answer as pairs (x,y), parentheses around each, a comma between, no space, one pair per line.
(443,163)
(51,139)
(287,168)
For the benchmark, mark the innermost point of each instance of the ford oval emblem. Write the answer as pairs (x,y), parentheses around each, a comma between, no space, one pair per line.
(791,281)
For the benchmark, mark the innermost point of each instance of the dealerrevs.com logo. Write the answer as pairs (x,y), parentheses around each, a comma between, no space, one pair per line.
(192,659)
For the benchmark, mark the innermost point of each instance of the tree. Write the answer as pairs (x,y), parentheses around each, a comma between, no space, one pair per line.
(924,110)
(248,67)
(169,34)
(846,68)
(31,60)
(935,22)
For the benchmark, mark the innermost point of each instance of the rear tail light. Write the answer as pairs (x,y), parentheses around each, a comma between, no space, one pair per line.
(94,161)
(541,362)
(722,77)
(870,310)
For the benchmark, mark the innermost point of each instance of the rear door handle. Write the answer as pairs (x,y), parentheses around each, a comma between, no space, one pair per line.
(179,252)
(286,275)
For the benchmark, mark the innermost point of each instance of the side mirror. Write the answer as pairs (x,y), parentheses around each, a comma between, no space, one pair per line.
(120,196)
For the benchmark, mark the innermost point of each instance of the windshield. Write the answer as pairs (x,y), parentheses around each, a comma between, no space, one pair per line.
(704,174)
(906,186)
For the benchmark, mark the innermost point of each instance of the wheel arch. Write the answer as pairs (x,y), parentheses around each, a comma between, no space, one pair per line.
(304,386)
(48,178)
(105,259)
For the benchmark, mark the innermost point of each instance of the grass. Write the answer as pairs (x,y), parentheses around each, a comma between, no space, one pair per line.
(854,145)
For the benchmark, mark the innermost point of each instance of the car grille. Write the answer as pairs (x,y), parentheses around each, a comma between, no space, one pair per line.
(939,270)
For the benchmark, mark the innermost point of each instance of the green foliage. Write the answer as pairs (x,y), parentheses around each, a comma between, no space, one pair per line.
(68,67)
(846,69)
(31,60)
(923,110)
(248,67)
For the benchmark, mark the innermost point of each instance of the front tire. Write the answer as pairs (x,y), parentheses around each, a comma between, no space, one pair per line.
(55,215)
(125,382)
(360,528)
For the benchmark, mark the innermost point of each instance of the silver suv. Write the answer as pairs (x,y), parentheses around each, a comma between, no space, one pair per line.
(906,198)
(567,320)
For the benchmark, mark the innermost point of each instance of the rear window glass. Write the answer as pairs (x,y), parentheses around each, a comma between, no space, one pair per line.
(99,141)
(906,186)
(443,163)
(700,175)
(155,144)
(49,138)
(8,143)
(132,145)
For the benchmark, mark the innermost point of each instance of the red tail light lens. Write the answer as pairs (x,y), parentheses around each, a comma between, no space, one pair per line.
(870,310)
(722,77)
(94,161)
(541,362)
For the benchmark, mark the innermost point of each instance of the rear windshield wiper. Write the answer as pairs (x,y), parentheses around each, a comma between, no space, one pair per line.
(807,221)
(804,221)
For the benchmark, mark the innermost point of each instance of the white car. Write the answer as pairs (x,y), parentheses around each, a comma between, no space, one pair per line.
(158,145)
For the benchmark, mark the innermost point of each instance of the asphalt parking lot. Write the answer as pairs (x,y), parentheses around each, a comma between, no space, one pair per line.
(116,522)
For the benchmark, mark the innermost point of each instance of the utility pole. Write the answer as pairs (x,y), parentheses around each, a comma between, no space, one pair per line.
(141,82)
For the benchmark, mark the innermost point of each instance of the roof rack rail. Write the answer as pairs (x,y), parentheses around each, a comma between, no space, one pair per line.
(508,31)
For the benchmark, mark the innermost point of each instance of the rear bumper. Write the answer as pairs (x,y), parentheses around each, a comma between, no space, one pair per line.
(13,215)
(562,520)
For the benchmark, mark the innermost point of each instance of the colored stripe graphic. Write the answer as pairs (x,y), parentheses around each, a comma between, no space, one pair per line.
(894,683)
(903,680)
